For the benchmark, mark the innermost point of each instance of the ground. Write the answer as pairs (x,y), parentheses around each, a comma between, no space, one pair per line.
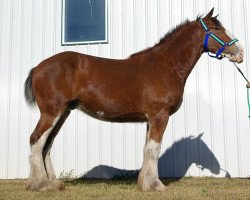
(185,188)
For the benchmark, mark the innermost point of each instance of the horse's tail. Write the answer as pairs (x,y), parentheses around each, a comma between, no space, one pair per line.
(28,90)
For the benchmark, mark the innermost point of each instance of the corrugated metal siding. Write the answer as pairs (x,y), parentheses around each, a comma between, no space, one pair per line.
(214,101)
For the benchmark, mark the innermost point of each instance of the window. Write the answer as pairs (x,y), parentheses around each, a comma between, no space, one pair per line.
(84,22)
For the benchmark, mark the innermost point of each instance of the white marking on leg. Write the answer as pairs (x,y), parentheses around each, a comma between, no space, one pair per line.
(37,170)
(148,177)
(38,146)
(48,163)
(49,167)
(151,155)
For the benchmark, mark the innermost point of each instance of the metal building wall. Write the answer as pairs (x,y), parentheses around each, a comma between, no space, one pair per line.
(208,136)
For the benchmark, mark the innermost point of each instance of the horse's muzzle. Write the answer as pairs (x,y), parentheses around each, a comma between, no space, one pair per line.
(237,57)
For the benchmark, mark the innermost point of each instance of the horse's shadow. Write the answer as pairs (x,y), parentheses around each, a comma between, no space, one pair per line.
(175,162)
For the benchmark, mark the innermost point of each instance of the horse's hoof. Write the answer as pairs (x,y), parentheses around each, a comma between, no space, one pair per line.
(45,185)
(160,187)
(59,185)
(150,185)
(34,184)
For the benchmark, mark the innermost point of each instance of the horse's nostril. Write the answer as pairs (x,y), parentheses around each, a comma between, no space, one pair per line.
(240,53)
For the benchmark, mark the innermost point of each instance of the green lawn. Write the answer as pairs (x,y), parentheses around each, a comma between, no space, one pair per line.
(185,188)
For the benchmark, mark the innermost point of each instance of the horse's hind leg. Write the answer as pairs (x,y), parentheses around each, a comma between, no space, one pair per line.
(38,179)
(47,148)
(38,176)
(148,179)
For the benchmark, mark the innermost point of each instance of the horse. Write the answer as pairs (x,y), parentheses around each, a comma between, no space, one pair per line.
(145,87)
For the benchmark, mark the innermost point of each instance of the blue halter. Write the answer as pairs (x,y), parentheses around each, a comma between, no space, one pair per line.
(220,41)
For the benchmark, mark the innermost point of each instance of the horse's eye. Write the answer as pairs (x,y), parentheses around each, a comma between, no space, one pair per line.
(217,28)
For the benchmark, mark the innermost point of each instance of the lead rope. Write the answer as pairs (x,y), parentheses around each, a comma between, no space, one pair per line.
(247,86)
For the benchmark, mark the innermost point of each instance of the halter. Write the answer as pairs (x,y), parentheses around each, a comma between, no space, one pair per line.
(209,33)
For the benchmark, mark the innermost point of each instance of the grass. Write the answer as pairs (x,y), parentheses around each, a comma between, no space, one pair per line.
(185,188)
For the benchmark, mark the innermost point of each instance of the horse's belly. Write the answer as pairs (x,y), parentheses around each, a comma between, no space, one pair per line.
(114,116)
(112,103)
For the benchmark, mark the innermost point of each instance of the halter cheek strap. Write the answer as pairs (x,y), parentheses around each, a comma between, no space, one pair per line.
(220,41)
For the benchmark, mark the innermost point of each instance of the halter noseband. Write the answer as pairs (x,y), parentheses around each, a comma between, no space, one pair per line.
(209,33)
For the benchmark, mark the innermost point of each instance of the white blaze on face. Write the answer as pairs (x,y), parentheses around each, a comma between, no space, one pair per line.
(233,37)
(239,56)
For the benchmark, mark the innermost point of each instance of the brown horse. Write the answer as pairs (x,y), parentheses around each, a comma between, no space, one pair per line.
(146,87)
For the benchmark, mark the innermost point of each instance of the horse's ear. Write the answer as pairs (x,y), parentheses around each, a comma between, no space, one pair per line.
(216,16)
(210,14)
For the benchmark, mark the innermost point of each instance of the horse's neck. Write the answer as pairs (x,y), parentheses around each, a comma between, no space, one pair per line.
(185,50)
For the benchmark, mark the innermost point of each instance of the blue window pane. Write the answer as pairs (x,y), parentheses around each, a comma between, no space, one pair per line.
(85,20)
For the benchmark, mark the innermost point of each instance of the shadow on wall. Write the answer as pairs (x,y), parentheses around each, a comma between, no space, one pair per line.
(175,161)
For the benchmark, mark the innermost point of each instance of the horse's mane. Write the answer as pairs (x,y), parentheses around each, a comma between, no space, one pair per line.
(166,37)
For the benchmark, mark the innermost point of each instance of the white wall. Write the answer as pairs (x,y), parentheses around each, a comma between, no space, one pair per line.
(214,100)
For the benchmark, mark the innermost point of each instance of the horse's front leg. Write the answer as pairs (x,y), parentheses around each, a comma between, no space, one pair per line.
(148,179)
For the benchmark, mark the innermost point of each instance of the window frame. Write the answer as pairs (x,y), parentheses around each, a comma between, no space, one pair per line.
(64,43)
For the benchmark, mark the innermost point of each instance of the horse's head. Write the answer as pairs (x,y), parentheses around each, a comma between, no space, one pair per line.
(219,40)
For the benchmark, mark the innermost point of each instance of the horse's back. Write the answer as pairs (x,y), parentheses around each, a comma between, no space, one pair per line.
(104,82)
